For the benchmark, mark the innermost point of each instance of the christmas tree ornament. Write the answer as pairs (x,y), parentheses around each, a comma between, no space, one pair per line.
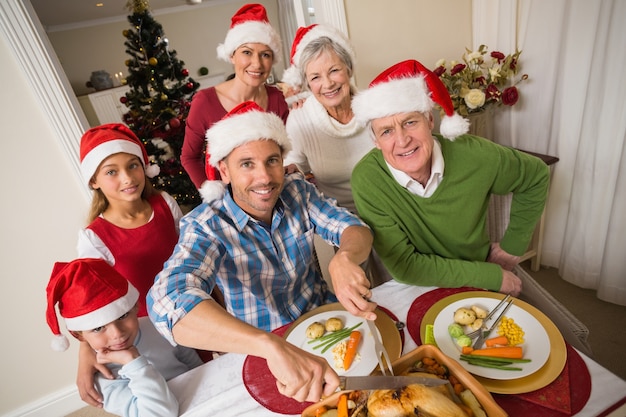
(185,72)
(153,61)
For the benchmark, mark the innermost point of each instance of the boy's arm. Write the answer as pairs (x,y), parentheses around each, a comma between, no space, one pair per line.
(140,391)
(87,367)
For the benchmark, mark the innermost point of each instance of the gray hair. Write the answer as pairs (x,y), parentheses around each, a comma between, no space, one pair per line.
(324,44)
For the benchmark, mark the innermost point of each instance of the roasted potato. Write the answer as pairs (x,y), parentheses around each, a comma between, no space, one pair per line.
(315,330)
(333,324)
(464,316)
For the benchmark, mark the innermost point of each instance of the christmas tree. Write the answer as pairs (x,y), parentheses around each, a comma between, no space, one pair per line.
(159,100)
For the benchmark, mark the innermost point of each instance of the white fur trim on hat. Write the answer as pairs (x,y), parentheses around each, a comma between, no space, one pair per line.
(105,314)
(237,130)
(249,32)
(94,158)
(403,95)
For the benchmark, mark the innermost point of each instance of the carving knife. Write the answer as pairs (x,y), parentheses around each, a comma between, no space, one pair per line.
(386,382)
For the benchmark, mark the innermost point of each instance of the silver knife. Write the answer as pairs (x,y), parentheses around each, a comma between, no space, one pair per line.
(483,335)
(386,382)
(380,350)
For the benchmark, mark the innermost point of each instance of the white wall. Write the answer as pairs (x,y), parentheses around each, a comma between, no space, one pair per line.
(43,207)
(44,204)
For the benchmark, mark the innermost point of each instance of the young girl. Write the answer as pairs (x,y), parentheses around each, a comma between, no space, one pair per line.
(132,226)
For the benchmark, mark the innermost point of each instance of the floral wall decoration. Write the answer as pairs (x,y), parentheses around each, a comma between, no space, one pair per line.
(482,80)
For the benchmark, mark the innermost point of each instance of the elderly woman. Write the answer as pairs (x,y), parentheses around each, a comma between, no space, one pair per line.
(252,46)
(327,141)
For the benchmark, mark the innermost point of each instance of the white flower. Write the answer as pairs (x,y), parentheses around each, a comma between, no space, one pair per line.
(440,63)
(474,99)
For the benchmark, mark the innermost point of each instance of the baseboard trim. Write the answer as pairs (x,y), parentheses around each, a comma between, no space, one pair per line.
(57,404)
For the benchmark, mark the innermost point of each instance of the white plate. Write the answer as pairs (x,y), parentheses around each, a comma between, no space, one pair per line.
(366,360)
(536,346)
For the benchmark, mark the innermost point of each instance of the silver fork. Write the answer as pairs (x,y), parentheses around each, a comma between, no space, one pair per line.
(380,350)
(491,313)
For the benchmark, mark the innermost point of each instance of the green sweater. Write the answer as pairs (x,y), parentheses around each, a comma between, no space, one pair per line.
(442,240)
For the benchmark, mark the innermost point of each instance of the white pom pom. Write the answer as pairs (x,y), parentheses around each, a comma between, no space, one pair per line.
(292,77)
(212,190)
(453,126)
(60,343)
(152,170)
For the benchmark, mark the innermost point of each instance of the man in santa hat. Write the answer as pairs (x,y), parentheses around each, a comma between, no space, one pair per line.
(426,195)
(253,239)
(99,307)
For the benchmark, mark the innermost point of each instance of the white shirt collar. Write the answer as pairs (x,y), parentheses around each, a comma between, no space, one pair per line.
(436,175)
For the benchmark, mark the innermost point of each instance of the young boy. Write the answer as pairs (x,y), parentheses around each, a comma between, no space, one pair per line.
(99,306)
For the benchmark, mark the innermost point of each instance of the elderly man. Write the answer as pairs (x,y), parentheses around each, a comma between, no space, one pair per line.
(426,196)
(253,239)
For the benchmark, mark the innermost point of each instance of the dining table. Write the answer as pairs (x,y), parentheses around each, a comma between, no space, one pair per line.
(218,388)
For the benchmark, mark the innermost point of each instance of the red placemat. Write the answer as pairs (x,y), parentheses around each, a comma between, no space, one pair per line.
(565,396)
(261,384)
(422,304)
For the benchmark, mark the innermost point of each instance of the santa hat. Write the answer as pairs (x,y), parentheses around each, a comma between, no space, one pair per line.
(408,87)
(90,294)
(100,142)
(245,123)
(304,36)
(249,25)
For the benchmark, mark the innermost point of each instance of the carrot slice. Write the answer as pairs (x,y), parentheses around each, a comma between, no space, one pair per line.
(495,341)
(514,352)
(466,350)
(351,347)
(342,406)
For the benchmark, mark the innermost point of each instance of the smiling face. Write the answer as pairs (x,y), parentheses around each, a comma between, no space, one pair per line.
(120,177)
(120,334)
(406,142)
(253,63)
(256,175)
(328,78)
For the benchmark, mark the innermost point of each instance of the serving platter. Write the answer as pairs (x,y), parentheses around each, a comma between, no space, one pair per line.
(539,379)
(366,362)
(489,405)
(536,346)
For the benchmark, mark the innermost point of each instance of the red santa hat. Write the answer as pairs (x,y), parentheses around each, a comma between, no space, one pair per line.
(89,293)
(249,25)
(407,87)
(98,143)
(245,123)
(304,36)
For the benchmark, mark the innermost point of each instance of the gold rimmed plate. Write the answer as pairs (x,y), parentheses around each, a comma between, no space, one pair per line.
(367,361)
(550,370)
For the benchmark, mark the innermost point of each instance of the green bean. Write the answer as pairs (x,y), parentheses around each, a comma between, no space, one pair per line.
(492,365)
(331,339)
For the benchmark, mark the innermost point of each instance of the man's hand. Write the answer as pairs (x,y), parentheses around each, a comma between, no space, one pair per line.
(299,374)
(87,367)
(497,255)
(349,280)
(511,283)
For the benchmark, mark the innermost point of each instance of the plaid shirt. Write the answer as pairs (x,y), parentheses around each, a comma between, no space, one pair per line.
(266,272)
